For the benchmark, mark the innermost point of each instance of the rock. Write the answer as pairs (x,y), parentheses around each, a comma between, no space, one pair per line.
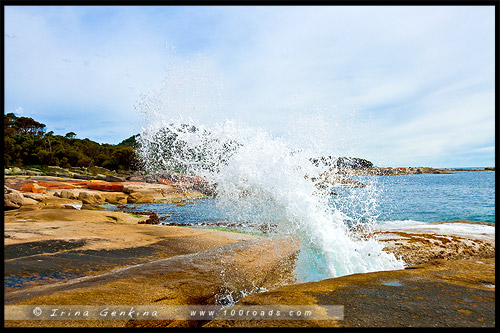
(111,192)
(48,200)
(142,193)
(12,198)
(199,278)
(92,207)
(88,197)
(135,179)
(105,186)
(31,172)
(436,294)
(31,204)
(152,219)
(142,197)
(111,178)
(113,240)
(60,174)
(33,187)
(13,171)
(115,197)
(423,243)
(329,179)
(178,196)
(66,194)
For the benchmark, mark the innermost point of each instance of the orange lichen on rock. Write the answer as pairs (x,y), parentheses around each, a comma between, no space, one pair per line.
(168,182)
(33,188)
(102,186)
(56,185)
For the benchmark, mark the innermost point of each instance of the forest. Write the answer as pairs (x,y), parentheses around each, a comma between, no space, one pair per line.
(27,143)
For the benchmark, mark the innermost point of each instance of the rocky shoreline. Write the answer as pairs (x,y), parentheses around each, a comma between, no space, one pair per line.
(42,192)
(55,253)
(390,171)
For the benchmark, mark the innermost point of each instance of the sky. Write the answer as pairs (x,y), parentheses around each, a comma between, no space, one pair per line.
(397,85)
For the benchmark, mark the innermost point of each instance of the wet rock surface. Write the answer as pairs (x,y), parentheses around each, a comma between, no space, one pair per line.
(182,279)
(194,266)
(436,294)
(60,244)
(428,242)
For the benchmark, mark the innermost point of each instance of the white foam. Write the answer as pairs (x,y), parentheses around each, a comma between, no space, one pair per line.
(77,206)
(476,230)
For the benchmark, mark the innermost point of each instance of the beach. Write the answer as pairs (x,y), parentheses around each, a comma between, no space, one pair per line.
(55,254)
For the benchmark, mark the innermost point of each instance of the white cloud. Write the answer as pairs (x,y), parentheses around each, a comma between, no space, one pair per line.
(396,83)
(58,69)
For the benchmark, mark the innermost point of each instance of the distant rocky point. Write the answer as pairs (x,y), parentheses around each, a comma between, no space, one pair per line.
(354,166)
(383,171)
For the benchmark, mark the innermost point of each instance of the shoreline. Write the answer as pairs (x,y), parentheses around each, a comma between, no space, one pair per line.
(58,255)
(394,171)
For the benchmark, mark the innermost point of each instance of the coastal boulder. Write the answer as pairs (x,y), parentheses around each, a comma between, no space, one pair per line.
(111,178)
(143,193)
(66,194)
(12,198)
(92,207)
(143,196)
(88,197)
(115,197)
(46,200)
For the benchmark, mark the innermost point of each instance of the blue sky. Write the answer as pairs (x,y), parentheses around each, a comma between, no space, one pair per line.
(400,86)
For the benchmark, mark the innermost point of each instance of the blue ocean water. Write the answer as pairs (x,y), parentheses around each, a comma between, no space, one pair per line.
(462,195)
(465,195)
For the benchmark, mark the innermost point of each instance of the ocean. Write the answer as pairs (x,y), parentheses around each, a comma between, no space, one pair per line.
(462,195)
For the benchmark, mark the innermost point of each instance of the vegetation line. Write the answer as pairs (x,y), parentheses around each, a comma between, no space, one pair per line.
(26,143)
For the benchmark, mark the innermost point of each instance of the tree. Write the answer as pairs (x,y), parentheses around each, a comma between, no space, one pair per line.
(44,156)
(131,142)
(70,135)
(26,143)
(123,157)
(14,125)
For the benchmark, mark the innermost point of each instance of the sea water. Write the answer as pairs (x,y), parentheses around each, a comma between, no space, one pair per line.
(462,195)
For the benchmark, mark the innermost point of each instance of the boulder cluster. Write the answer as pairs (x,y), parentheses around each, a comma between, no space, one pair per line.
(41,192)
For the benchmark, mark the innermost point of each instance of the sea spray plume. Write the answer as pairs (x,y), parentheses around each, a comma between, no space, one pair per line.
(184,147)
(258,178)
(261,179)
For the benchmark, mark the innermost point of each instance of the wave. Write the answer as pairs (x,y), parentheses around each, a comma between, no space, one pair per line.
(262,179)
